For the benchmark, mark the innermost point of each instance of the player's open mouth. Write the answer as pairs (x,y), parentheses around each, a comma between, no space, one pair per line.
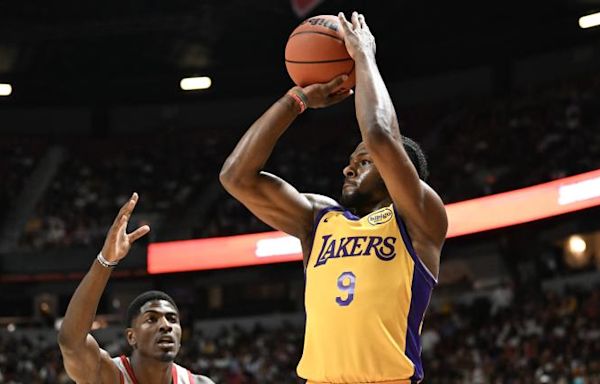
(166,342)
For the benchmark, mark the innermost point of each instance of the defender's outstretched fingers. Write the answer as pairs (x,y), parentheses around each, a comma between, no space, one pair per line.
(130,205)
(126,208)
(116,229)
(122,226)
(135,235)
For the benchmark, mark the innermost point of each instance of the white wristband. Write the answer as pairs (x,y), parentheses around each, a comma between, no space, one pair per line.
(105,263)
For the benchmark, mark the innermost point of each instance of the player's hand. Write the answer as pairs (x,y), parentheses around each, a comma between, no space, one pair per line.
(324,95)
(118,241)
(359,40)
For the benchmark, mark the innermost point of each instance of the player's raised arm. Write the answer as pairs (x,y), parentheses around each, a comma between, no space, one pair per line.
(269,197)
(84,361)
(416,201)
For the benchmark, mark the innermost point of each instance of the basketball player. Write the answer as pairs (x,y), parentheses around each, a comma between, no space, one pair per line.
(372,260)
(153,332)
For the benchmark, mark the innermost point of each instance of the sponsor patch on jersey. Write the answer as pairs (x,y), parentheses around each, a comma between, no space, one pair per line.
(380,217)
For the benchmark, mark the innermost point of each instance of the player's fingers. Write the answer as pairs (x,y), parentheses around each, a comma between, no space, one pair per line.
(346,25)
(121,225)
(339,96)
(117,228)
(362,22)
(130,205)
(120,214)
(335,84)
(141,231)
(355,22)
(127,207)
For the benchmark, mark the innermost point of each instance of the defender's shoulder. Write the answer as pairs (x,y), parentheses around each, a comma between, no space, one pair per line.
(203,380)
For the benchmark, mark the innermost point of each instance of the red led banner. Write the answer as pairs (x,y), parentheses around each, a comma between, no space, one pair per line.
(466,217)
(524,205)
(223,252)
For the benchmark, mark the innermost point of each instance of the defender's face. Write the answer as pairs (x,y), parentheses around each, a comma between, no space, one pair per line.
(362,181)
(156,331)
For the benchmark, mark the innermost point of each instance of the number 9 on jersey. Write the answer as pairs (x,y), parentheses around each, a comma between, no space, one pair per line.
(346,283)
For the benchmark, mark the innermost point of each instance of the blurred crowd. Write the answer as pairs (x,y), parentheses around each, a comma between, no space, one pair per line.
(509,337)
(532,136)
(533,338)
(475,148)
(18,158)
(99,176)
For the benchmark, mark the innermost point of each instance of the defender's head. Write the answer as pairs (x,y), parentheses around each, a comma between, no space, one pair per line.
(363,184)
(153,325)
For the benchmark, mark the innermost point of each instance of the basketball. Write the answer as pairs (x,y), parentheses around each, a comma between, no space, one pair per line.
(316,53)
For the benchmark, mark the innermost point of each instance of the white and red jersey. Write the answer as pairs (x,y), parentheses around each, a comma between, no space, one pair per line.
(180,374)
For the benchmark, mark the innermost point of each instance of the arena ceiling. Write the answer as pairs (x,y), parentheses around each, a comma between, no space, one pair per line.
(71,52)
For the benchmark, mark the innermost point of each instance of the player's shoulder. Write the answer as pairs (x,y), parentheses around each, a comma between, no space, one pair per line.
(202,380)
(320,202)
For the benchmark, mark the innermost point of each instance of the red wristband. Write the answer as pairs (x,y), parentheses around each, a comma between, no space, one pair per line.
(299,101)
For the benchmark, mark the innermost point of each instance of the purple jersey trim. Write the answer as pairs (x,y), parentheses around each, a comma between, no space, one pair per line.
(432,281)
(420,296)
(423,283)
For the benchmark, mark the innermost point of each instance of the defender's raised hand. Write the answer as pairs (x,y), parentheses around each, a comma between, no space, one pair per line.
(118,241)
(357,36)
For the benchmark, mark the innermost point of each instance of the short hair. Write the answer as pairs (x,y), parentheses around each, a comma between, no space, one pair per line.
(417,157)
(134,308)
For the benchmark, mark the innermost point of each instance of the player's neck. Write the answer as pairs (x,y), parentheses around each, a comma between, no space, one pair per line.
(372,207)
(150,371)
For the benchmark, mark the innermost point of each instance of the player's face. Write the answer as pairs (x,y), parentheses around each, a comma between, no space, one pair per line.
(156,331)
(363,184)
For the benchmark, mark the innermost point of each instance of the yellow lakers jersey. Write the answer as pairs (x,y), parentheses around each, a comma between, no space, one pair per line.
(365,297)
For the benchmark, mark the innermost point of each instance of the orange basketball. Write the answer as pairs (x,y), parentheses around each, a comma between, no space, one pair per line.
(316,53)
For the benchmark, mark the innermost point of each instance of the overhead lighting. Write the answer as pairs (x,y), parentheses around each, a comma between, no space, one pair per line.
(194,83)
(589,21)
(577,244)
(577,253)
(5,89)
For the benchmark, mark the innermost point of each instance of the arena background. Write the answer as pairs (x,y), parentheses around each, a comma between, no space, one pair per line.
(502,96)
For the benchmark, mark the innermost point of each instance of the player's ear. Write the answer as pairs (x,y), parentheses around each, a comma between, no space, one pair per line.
(130,335)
